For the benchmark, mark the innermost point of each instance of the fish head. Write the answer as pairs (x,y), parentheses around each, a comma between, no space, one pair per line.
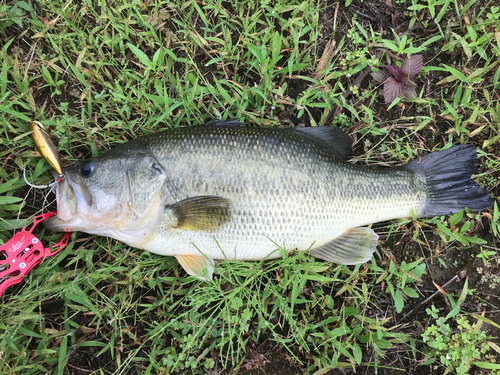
(117,195)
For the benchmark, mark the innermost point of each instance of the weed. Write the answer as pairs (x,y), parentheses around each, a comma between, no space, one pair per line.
(398,278)
(14,14)
(402,81)
(486,255)
(457,351)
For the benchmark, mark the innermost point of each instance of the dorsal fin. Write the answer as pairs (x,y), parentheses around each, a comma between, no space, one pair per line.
(330,136)
(232,123)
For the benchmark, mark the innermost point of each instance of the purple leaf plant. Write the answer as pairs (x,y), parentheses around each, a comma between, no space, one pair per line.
(401,81)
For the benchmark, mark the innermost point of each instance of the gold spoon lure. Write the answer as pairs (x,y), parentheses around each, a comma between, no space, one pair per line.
(45,146)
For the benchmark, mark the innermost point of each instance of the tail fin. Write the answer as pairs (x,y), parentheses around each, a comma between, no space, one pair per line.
(449,185)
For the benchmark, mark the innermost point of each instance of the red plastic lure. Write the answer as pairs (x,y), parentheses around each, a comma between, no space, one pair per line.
(24,251)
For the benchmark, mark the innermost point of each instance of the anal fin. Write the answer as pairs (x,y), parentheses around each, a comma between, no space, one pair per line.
(197,265)
(354,246)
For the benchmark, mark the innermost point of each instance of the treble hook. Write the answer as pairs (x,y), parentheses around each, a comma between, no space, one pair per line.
(49,185)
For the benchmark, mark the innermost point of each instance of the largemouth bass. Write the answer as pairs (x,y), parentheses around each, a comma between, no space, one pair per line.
(223,191)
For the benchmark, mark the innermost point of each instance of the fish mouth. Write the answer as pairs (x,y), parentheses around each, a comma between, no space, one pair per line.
(73,205)
(72,199)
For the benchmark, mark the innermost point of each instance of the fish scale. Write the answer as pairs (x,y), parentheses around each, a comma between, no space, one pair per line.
(215,192)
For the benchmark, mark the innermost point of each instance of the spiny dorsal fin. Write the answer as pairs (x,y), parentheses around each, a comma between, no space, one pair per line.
(330,136)
(197,265)
(205,213)
(354,246)
(232,123)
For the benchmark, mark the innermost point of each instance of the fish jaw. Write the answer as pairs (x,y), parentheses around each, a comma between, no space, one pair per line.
(56,224)
(73,205)
(72,199)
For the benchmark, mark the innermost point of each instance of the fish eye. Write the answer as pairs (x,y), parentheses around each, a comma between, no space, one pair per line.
(87,169)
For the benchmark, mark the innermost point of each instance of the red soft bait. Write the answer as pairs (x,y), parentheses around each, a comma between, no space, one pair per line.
(24,251)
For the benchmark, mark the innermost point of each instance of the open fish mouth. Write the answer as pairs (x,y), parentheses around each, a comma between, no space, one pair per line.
(73,205)
(71,199)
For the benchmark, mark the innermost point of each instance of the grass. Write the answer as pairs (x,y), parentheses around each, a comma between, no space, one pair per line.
(100,73)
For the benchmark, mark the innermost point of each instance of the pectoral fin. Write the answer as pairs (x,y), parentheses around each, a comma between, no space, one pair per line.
(205,213)
(197,265)
(354,246)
